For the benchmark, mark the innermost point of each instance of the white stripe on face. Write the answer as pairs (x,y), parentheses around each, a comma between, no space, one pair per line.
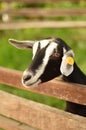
(35,47)
(43,43)
(48,52)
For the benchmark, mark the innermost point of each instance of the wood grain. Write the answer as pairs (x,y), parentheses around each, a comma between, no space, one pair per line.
(42,24)
(66,91)
(38,115)
(10,124)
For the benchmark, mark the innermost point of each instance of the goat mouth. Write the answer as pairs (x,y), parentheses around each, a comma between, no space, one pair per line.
(31,84)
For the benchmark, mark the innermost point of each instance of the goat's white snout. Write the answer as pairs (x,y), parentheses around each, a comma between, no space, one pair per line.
(29,79)
(26,77)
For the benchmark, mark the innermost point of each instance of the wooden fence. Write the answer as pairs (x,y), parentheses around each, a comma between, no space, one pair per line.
(17,113)
(37,17)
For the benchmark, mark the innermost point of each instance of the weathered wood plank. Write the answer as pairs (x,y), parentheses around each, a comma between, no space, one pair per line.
(54,88)
(40,12)
(9,124)
(42,24)
(38,115)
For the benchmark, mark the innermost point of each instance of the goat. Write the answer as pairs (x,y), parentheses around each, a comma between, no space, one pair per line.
(52,57)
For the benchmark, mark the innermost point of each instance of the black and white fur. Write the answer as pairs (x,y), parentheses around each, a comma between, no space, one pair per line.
(48,62)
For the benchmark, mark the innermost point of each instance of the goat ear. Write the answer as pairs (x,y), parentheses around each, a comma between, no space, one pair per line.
(21,44)
(67,63)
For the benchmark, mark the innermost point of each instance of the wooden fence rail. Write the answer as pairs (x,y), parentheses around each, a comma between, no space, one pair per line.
(21,18)
(54,88)
(42,24)
(41,12)
(37,115)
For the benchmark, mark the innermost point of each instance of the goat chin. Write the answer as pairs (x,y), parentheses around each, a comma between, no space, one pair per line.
(31,85)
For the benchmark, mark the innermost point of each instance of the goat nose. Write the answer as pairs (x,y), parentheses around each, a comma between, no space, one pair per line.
(26,77)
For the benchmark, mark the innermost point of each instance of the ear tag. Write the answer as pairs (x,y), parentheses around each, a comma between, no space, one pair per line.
(70,60)
(67,65)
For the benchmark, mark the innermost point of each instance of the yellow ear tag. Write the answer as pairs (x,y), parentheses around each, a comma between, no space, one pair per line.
(70,60)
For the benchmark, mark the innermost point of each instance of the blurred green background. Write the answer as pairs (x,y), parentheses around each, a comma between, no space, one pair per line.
(10,57)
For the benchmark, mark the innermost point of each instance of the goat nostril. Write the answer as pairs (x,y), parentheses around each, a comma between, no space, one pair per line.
(26,77)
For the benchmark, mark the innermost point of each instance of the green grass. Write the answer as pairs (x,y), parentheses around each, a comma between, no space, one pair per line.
(34,96)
